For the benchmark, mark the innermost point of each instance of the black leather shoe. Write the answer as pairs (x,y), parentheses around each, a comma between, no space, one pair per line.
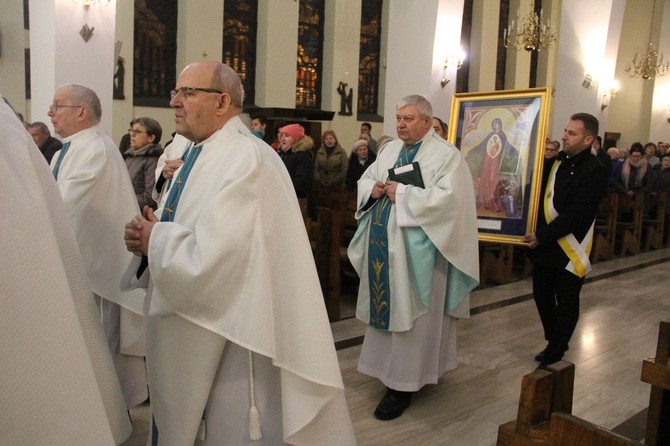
(540,357)
(548,360)
(393,404)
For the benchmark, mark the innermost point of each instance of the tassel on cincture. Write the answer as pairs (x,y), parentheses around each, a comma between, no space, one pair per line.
(254,416)
(254,424)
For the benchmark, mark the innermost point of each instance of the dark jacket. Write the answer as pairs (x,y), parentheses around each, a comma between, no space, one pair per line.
(300,165)
(331,170)
(142,169)
(661,183)
(605,159)
(356,169)
(580,186)
(50,146)
(622,188)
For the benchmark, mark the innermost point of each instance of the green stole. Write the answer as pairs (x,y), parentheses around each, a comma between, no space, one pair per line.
(61,155)
(378,251)
(172,201)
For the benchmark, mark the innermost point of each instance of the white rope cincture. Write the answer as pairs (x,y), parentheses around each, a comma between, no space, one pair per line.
(254,416)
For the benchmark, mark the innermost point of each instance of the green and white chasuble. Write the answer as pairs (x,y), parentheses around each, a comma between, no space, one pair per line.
(396,264)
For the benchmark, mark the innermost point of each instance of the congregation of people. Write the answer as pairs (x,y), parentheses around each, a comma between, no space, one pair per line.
(183,254)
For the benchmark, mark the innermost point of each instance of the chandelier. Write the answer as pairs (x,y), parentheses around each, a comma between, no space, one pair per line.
(533,33)
(648,67)
(652,64)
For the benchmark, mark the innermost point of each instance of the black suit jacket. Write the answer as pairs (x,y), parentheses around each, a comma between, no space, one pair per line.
(581,184)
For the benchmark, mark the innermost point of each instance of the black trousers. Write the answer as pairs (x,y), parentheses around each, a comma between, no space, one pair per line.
(556,294)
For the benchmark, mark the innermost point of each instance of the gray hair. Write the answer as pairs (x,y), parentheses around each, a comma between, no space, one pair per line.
(422,104)
(227,80)
(81,95)
(42,127)
(152,126)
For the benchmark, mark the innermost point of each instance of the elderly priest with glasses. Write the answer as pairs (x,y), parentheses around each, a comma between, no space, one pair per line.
(239,348)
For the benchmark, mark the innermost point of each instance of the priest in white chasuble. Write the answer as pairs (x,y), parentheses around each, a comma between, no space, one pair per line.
(58,384)
(98,194)
(416,254)
(239,348)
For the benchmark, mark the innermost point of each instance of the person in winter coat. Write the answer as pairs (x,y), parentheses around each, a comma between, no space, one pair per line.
(142,157)
(330,167)
(359,161)
(295,150)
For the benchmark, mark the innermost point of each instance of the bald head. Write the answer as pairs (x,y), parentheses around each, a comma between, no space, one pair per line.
(75,108)
(206,96)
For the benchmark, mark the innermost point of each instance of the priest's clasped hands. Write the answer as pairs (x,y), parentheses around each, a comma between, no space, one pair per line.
(138,232)
(380,189)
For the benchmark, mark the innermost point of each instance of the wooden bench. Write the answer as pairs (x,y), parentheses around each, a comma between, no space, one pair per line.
(544,416)
(629,223)
(656,371)
(496,262)
(653,227)
(567,429)
(344,226)
(604,230)
(545,405)
(318,232)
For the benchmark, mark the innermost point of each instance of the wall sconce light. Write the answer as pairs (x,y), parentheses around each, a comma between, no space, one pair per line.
(588,81)
(611,92)
(87,3)
(459,63)
(86,32)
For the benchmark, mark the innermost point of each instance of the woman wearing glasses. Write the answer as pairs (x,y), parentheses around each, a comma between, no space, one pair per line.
(142,158)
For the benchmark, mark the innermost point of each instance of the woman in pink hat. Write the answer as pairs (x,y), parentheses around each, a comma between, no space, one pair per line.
(295,149)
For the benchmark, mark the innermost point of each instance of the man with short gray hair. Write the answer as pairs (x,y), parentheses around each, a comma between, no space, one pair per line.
(416,254)
(96,188)
(238,343)
(47,144)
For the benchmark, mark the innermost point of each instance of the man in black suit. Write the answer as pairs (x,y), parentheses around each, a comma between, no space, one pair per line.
(47,144)
(573,184)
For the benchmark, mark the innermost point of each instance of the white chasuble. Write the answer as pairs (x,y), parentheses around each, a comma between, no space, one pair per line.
(58,383)
(421,327)
(444,210)
(234,272)
(95,185)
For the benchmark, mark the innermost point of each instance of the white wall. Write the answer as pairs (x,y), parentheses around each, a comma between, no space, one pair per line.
(409,67)
(659,126)
(12,43)
(629,112)
(446,44)
(585,27)
(59,55)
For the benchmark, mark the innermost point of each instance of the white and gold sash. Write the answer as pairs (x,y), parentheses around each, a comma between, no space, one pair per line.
(577,252)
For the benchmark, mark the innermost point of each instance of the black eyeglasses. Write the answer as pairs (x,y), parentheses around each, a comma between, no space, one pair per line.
(53,108)
(135,132)
(190,91)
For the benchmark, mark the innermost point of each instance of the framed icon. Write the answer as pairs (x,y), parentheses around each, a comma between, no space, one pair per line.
(501,136)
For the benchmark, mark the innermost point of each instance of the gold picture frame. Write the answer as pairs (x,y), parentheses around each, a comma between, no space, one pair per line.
(501,136)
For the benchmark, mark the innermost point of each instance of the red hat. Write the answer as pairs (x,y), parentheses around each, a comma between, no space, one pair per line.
(296,131)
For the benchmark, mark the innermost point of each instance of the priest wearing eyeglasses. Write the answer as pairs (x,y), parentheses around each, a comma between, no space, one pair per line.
(239,348)
(96,188)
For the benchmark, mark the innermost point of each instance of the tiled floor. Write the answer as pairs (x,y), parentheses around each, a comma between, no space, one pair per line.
(622,304)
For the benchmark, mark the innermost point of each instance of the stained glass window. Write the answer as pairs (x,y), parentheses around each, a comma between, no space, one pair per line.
(310,51)
(463,74)
(155,53)
(501,54)
(368,64)
(239,42)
